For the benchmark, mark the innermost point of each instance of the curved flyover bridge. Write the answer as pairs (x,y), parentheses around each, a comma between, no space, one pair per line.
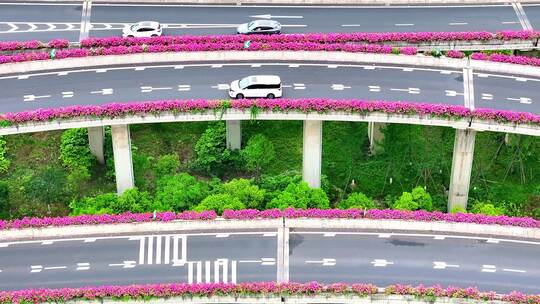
(95,80)
(46,21)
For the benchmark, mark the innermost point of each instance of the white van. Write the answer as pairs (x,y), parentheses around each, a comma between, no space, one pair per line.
(261,86)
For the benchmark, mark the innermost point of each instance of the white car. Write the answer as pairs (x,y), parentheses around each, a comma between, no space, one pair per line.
(256,86)
(143,29)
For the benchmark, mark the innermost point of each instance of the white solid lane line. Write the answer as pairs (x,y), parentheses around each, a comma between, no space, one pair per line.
(404,24)
(514,270)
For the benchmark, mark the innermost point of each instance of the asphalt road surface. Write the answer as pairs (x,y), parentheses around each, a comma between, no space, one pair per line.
(325,256)
(45,21)
(330,80)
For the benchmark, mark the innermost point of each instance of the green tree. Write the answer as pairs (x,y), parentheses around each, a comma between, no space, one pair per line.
(47,186)
(212,153)
(258,153)
(167,165)
(219,202)
(75,150)
(357,200)
(180,191)
(300,196)
(250,195)
(100,204)
(4,162)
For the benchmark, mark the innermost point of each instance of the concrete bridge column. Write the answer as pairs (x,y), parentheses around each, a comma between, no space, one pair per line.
(95,140)
(376,136)
(123,164)
(312,153)
(234,134)
(462,161)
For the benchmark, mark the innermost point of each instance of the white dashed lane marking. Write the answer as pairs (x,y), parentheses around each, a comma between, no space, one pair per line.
(184,87)
(103,92)
(404,24)
(82,266)
(374,88)
(408,90)
(381,263)
(486,96)
(489,268)
(452,93)
(68,94)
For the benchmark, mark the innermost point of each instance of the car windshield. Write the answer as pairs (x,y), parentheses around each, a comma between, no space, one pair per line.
(243,83)
(134,27)
(251,25)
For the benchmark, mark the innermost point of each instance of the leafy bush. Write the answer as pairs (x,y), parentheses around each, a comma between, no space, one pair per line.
(219,202)
(47,186)
(4,199)
(75,150)
(141,168)
(250,195)
(275,184)
(167,165)
(180,191)
(100,204)
(357,200)
(258,153)
(300,195)
(458,209)
(486,208)
(211,150)
(4,162)
(415,200)
(135,201)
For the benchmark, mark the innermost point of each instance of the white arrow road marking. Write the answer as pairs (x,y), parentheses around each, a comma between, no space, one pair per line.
(294,65)
(486,96)
(408,69)
(222,235)
(269,234)
(268,16)
(101,70)
(513,270)
(23,77)
(67,94)
(47,242)
(524,100)
(103,92)
(32,27)
(368,67)
(329,234)
(140,68)
(148,89)
(323,262)
(125,264)
(83,266)
(385,235)
(339,87)
(262,261)
(439,237)
(36,268)
(489,268)
(184,87)
(216,66)
(381,263)
(482,75)
(443,265)
(521,79)
(50,26)
(34,97)
(221,86)
(373,88)
(62,73)
(452,93)
(446,72)
(332,66)
(90,240)
(492,241)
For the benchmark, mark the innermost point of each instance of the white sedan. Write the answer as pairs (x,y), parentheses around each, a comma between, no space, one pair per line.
(143,29)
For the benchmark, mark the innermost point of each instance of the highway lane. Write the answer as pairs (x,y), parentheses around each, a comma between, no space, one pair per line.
(383,259)
(533,14)
(139,83)
(139,260)
(60,20)
(238,256)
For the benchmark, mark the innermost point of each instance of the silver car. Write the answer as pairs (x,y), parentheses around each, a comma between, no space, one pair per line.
(143,29)
(259,27)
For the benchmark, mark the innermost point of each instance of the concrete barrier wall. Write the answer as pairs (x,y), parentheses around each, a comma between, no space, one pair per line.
(75,231)
(239,56)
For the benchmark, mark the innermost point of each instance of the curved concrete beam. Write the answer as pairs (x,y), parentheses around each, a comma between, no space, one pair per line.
(317,56)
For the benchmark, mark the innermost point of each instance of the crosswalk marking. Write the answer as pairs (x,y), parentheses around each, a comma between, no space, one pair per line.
(223,270)
(156,249)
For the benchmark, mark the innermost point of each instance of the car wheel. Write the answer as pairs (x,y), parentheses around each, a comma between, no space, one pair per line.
(270,96)
(239,96)
(130,36)
(154,35)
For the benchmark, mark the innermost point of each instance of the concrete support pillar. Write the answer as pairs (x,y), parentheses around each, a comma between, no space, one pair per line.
(95,140)
(312,153)
(461,168)
(376,136)
(234,134)
(123,164)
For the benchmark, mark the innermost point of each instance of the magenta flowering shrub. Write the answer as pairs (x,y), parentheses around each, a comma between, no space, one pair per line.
(321,105)
(256,289)
(455,54)
(33,45)
(97,219)
(523,60)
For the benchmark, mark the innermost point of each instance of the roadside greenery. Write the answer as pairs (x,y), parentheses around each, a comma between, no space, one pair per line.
(186,166)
